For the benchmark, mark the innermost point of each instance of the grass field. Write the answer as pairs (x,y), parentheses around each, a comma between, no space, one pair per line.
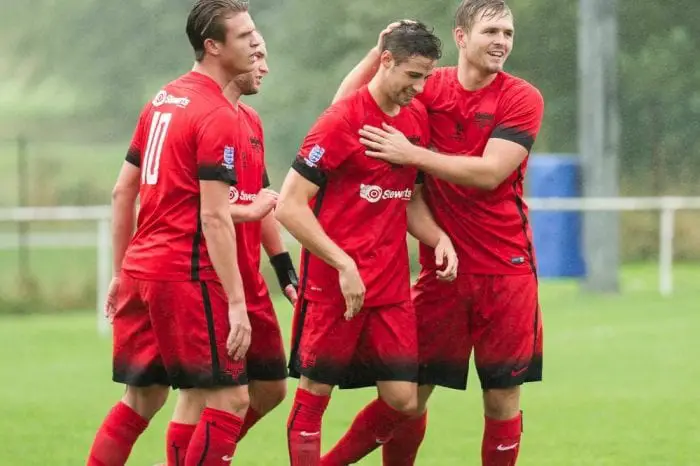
(621,388)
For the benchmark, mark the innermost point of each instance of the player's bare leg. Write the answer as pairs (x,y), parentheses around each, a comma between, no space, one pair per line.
(502,426)
(402,449)
(124,423)
(374,425)
(264,397)
(225,408)
(304,423)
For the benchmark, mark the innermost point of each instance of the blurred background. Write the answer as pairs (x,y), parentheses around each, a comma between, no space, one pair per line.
(74,75)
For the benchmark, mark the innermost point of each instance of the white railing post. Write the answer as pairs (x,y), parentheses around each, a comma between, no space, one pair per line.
(666,234)
(103,272)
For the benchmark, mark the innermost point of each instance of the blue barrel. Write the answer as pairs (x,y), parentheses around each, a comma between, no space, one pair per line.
(557,235)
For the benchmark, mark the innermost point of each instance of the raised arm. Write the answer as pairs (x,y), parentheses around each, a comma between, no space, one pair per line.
(507,148)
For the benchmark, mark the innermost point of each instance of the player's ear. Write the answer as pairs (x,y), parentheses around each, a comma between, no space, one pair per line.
(212,47)
(386,59)
(460,36)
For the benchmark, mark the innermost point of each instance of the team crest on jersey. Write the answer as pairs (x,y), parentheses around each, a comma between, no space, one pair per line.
(229,152)
(314,156)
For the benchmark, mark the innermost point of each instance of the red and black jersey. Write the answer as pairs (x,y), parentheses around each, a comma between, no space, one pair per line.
(489,229)
(361,203)
(183,136)
(252,177)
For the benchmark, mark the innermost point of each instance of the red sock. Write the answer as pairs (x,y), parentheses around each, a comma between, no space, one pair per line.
(371,428)
(402,449)
(214,440)
(177,440)
(501,442)
(116,437)
(251,418)
(304,428)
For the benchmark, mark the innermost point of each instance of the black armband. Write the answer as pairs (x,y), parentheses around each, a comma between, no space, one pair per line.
(284,268)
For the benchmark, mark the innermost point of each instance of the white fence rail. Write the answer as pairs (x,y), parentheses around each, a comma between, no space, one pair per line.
(667,206)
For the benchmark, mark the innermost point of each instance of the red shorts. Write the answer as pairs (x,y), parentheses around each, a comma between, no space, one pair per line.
(265,359)
(378,344)
(173,333)
(498,316)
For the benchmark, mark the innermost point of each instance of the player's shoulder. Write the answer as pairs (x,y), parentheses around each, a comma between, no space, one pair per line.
(249,113)
(514,87)
(339,113)
(441,77)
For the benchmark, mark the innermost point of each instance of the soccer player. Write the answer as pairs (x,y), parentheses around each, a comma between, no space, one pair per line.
(483,124)
(176,298)
(251,211)
(355,325)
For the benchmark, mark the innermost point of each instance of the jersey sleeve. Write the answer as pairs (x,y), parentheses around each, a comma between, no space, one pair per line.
(325,147)
(521,116)
(217,146)
(135,151)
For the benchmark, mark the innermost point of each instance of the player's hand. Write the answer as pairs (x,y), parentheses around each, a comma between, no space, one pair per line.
(446,259)
(290,292)
(238,340)
(387,30)
(264,202)
(111,302)
(352,288)
(387,144)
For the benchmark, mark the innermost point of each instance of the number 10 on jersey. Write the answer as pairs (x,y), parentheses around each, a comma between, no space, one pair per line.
(154,147)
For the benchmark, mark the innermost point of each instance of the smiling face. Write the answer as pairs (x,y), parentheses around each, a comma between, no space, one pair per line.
(405,79)
(485,39)
(487,45)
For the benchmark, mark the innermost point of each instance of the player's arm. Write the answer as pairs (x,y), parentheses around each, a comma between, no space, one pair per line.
(220,236)
(296,216)
(124,195)
(363,72)
(422,226)
(509,145)
(294,213)
(263,204)
(280,259)
(501,158)
(215,144)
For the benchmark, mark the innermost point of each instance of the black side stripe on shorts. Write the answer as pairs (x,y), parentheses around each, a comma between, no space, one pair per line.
(196,243)
(216,367)
(302,309)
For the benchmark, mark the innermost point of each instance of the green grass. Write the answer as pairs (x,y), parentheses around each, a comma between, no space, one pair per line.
(620,388)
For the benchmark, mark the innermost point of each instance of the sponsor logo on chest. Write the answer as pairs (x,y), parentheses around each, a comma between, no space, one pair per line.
(373,193)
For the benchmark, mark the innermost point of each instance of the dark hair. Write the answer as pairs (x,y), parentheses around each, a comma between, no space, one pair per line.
(206,21)
(412,38)
(469,11)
